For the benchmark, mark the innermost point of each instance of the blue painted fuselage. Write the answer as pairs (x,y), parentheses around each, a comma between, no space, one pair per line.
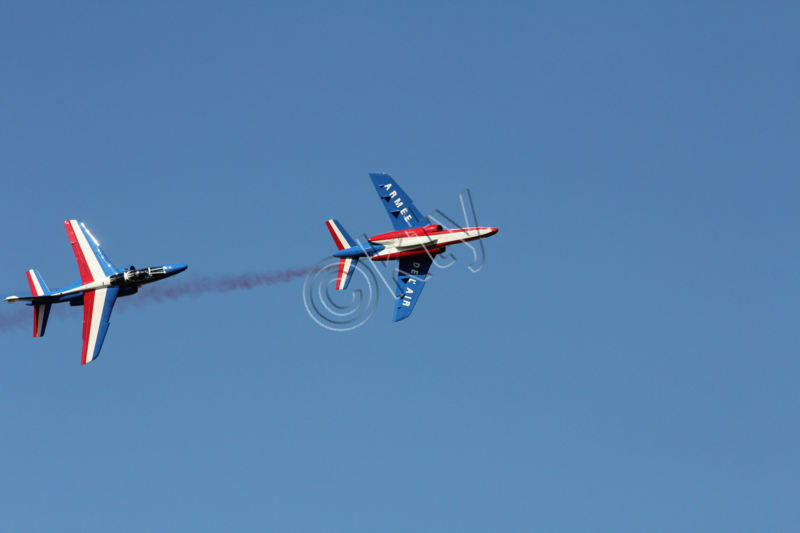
(128,280)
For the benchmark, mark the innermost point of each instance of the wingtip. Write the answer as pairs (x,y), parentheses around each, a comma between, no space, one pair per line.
(12,299)
(398,317)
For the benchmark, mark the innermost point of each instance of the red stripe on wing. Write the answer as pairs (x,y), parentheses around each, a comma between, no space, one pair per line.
(83,266)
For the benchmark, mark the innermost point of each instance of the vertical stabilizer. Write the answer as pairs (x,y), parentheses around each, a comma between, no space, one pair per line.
(41,312)
(343,241)
(340,236)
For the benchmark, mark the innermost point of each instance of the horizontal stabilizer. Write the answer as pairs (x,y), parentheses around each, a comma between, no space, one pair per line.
(346,267)
(41,313)
(40,292)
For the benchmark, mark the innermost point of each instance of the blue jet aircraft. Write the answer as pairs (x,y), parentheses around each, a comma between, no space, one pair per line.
(415,242)
(100,285)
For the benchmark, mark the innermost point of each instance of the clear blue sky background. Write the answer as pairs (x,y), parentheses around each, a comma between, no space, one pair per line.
(627,360)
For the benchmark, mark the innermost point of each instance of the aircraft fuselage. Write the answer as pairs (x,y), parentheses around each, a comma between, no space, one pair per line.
(426,240)
(128,281)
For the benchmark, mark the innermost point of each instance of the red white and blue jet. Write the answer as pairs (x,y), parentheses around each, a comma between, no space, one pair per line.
(100,285)
(414,242)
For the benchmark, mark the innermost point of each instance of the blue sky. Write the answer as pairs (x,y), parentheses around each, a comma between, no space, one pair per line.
(626,361)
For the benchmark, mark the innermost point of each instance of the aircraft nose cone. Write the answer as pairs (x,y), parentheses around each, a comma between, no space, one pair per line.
(492,231)
(177,268)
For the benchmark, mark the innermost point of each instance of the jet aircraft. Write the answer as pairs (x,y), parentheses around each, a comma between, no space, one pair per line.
(414,242)
(97,290)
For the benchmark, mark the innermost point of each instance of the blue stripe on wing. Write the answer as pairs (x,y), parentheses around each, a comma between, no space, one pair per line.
(108,306)
(410,281)
(105,263)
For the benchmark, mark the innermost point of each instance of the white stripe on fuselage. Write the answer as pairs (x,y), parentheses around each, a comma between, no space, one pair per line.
(95,285)
(404,244)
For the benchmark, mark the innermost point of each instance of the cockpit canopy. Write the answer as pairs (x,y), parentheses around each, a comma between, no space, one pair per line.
(131,275)
(137,275)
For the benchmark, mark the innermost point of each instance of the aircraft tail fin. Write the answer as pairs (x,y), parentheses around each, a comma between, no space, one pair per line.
(343,241)
(41,312)
(340,236)
(37,284)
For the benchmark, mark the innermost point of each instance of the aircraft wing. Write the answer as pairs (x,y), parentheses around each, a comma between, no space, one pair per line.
(97,306)
(402,212)
(92,262)
(410,281)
